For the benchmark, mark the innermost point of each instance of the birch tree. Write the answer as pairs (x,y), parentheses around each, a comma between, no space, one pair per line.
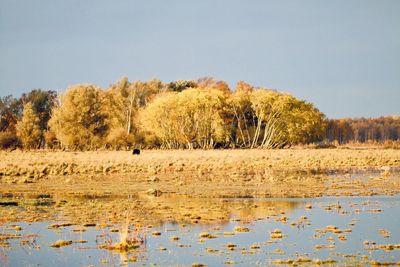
(191,119)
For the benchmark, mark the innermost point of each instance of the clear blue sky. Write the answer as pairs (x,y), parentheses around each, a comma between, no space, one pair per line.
(342,55)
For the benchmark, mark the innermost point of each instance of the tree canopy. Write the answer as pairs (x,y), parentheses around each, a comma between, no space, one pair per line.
(28,128)
(79,120)
(202,113)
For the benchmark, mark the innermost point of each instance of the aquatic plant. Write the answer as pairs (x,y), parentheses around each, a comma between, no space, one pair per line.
(128,240)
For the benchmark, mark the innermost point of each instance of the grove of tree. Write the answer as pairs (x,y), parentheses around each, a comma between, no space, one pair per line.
(183,114)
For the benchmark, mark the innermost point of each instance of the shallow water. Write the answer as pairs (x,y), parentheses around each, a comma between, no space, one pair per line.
(360,217)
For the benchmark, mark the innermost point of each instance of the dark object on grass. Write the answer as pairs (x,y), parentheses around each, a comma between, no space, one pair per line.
(9,203)
(136,151)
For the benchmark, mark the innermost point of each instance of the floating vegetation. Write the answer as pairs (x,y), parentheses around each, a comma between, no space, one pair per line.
(57,225)
(128,240)
(156,233)
(241,229)
(207,235)
(384,233)
(231,246)
(61,243)
(229,233)
(211,250)
(276,234)
(255,246)
(174,238)
(384,263)
(382,247)
(204,235)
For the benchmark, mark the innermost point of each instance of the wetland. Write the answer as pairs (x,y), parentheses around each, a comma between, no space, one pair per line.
(200,208)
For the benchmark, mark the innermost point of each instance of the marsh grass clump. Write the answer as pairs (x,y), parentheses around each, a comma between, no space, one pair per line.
(276,234)
(384,263)
(204,235)
(384,233)
(207,235)
(61,243)
(241,229)
(229,233)
(255,246)
(174,238)
(283,262)
(128,240)
(211,250)
(156,233)
(323,262)
(59,225)
(231,246)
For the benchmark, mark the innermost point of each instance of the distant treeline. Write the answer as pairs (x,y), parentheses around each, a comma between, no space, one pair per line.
(361,130)
(203,113)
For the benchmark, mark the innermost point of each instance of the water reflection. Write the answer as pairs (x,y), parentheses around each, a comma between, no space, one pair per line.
(144,210)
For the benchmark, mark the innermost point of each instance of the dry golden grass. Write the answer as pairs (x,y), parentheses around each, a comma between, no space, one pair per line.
(33,165)
(213,173)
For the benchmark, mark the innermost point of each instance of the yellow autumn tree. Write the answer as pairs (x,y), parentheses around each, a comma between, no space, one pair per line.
(79,121)
(28,128)
(264,118)
(283,120)
(244,118)
(192,118)
(123,100)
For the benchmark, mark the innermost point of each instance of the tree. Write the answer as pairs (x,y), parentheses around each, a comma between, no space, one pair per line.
(180,114)
(159,119)
(192,118)
(243,87)
(79,122)
(268,107)
(211,83)
(118,138)
(10,113)
(363,129)
(244,118)
(8,139)
(123,101)
(28,128)
(268,119)
(42,104)
(283,120)
(180,85)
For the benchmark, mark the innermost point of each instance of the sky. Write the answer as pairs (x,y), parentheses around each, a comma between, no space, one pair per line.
(342,55)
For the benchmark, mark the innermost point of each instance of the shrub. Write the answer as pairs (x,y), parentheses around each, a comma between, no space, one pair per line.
(119,138)
(8,140)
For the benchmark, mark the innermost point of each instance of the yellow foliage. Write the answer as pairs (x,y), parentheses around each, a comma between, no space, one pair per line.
(28,128)
(118,138)
(191,118)
(79,122)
